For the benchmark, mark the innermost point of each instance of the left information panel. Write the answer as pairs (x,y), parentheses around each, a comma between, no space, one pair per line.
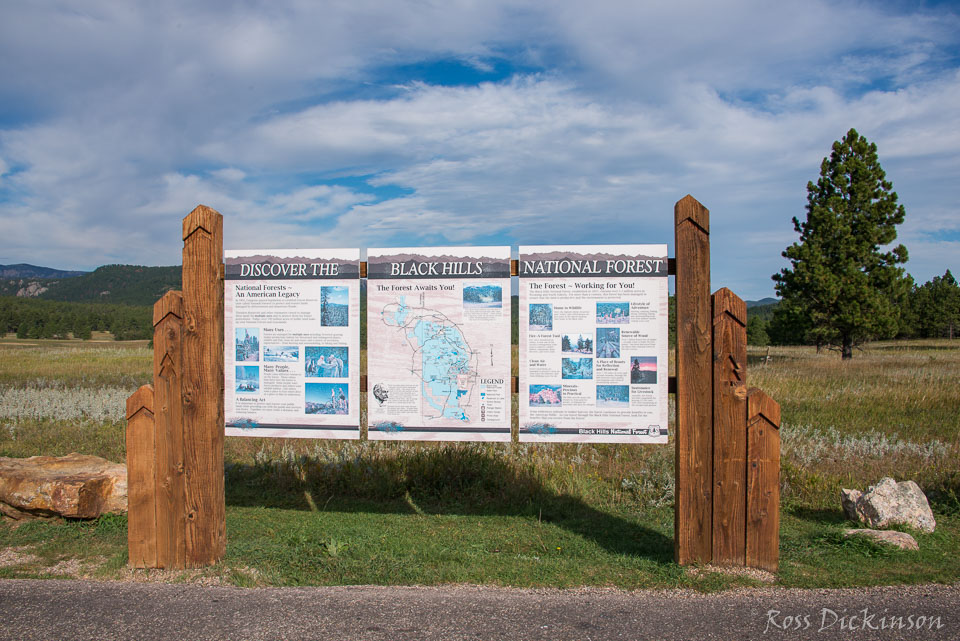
(292,343)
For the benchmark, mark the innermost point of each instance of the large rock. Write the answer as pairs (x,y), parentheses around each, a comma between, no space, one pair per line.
(72,486)
(849,500)
(890,503)
(901,540)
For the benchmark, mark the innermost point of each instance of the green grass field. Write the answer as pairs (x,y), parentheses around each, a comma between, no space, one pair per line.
(303,512)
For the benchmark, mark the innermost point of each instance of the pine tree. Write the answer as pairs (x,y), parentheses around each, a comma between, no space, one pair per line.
(81,330)
(839,279)
(757,331)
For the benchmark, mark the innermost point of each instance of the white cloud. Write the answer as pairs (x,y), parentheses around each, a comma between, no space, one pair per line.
(125,117)
(229,174)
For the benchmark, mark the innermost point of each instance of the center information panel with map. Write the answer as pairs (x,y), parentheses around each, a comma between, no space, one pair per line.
(438,337)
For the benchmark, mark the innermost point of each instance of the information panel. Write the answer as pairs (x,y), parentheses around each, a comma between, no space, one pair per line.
(292,343)
(593,343)
(438,337)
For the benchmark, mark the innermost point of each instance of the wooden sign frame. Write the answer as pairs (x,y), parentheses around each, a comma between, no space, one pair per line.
(726,437)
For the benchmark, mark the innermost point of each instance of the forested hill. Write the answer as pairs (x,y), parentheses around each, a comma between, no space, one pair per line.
(24,287)
(763,302)
(22,270)
(123,284)
(114,298)
(762,310)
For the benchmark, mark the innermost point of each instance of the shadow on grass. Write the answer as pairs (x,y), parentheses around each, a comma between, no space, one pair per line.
(448,481)
(818,515)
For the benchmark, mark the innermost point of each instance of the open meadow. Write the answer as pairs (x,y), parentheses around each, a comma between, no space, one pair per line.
(327,512)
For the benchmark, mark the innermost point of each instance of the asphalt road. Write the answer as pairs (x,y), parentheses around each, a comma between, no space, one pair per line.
(94,610)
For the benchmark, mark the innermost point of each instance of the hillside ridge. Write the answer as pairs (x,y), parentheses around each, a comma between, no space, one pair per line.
(122,284)
(25,270)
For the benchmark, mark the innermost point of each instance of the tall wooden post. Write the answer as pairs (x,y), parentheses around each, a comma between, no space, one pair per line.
(729,435)
(693,504)
(141,469)
(171,520)
(202,386)
(763,481)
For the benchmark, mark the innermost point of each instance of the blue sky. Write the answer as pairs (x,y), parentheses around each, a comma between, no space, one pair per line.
(378,124)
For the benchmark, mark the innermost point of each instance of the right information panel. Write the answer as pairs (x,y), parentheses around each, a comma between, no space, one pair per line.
(593,343)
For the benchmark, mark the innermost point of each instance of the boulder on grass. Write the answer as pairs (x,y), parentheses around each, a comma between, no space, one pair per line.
(74,486)
(901,540)
(890,503)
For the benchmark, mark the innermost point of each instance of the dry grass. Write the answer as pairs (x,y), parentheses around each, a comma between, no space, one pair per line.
(908,388)
(893,410)
(75,363)
(58,397)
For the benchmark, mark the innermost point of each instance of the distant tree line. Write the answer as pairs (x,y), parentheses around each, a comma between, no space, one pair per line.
(930,310)
(33,318)
(933,309)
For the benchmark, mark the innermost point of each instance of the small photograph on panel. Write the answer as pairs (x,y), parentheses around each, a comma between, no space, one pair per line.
(281,354)
(248,379)
(483,296)
(576,368)
(326,398)
(541,317)
(334,306)
(248,344)
(608,342)
(613,396)
(577,343)
(643,370)
(613,313)
(541,395)
(325,362)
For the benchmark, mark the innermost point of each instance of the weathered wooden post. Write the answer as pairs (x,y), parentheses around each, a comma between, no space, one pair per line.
(170,491)
(693,504)
(763,481)
(729,435)
(141,470)
(201,386)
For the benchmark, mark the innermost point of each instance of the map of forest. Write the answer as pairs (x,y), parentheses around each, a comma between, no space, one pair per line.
(439,355)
